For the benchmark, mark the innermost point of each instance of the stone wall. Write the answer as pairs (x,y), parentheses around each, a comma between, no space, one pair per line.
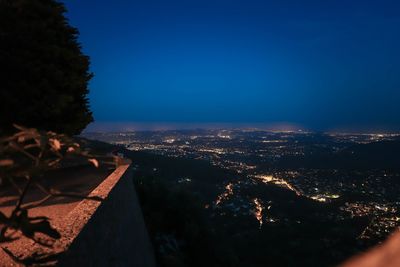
(114,234)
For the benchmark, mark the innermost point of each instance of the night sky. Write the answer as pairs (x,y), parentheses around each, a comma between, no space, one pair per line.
(320,64)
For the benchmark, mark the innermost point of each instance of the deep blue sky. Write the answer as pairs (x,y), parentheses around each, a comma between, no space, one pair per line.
(321,64)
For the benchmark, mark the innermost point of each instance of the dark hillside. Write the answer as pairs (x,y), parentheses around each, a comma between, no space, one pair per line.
(383,155)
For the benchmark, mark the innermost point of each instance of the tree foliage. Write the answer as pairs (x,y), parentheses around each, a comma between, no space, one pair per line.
(45,75)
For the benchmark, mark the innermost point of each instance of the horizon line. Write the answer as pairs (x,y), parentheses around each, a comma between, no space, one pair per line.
(127,126)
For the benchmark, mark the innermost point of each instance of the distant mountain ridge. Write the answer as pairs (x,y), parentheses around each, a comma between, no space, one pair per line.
(383,155)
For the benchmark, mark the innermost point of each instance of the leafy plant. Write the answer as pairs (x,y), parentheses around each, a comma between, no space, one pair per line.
(25,157)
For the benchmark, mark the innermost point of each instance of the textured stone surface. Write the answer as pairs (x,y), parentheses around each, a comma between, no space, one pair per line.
(107,233)
(115,235)
(385,255)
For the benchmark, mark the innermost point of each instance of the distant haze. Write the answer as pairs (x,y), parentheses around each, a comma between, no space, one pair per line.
(163,126)
(154,126)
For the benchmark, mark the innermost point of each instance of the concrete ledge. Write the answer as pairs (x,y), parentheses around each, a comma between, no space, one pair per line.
(107,233)
(110,234)
(386,254)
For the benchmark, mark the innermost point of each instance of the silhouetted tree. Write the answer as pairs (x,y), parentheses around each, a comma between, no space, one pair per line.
(44,77)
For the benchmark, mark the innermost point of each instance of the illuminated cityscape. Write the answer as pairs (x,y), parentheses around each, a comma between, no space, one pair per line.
(255,158)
